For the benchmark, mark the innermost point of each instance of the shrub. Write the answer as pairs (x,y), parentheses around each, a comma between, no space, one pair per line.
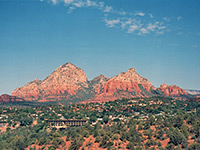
(130,146)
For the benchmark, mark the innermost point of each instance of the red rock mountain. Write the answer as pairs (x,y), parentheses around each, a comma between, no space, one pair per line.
(125,85)
(172,90)
(7,98)
(69,82)
(63,83)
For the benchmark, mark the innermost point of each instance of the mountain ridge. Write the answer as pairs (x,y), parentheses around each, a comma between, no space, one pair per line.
(69,82)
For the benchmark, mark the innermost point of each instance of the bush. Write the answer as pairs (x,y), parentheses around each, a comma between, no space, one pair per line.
(57,141)
(104,140)
(130,146)
(51,148)
(98,139)
(76,144)
(194,146)
(115,137)
(42,141)
(105,119)
(170,146)
(176,137)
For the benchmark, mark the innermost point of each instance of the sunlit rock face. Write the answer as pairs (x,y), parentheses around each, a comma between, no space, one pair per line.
(64,82)
(125,85)
(172,90)
(69,82)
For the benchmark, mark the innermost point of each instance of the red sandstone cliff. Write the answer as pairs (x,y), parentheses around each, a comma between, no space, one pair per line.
(63,83)
(69,82)
(125,85)
(172,90)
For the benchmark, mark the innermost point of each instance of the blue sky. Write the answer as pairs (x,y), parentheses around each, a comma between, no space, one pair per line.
(160,39)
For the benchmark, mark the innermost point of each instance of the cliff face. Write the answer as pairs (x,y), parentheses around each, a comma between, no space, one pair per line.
(63,83)
(172,90)
(97,83)
(125,85)
(69,82)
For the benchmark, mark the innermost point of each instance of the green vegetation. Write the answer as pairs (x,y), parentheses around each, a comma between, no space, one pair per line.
(122,124)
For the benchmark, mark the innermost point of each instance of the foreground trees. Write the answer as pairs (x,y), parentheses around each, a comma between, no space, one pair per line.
(112,125)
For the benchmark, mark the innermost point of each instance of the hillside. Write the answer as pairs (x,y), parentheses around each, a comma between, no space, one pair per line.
(139,123)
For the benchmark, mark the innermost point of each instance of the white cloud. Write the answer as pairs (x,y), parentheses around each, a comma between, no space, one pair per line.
(140,14)
(161,27)
(112,23)
(130,22)
(122,12)
(107,9)
(78,4)
(54,1)
(150,15)
(91,3)
(156,27)
(125,23)
(68,1)
(160,32)
(132,28)
(101,4)
(166,19)
(152,27)
(144,31)
(179,18)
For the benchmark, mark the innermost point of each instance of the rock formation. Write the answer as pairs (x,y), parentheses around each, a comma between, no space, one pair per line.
(172,90)
(69,82)
(5,98)
(63,83)
(125,85)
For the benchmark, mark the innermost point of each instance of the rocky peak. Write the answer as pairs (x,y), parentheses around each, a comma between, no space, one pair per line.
(131,76)
(69,82)
(98,81)
(100,78)
(164,85)
(66,79)
(131,70)
(35,82)
(172,90)
(66,74)
(67,66)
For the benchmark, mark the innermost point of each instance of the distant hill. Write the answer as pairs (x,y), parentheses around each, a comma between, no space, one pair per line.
(70,83)
(193,92)
(5,98)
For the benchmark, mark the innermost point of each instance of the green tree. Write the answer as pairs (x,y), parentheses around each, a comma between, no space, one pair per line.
(57,141)
(104,140)
(105,119)
(194,146)
(178,121)
(93,119)
(76,144)
(130,145)
(176,137)
(185,130)
(123,136)
(170,146)
(42,141)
